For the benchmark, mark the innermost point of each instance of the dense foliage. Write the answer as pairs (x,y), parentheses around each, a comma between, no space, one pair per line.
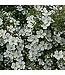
(32,37)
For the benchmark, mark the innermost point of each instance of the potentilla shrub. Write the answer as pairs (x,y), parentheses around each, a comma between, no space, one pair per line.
(32,37)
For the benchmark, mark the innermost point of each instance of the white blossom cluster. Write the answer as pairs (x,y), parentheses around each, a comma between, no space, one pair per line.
(31,42)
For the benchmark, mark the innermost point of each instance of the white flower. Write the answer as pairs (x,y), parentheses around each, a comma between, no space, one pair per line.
(40,34)
(16,22)
(57,38)
(32,57)
(12,55)
(22,32)
(12,41)
(28,46)
(28,33)
(21,65)
(30,25)
(47,20)
(19,8)
(2,32)
(6,37)
(1,22)
(30,19)
(33,51)
(6,54)
(11,19)
(44,26)
(45,12)
(38,7)
(33,38)
(20,46)
(17,54)
(10,28)
(43,45)
(58,55)
(49,46)
(10,47)
(28,29)
(41,62)
(62,41)
(36,46)
(48,33)
(20,58)
(15,66)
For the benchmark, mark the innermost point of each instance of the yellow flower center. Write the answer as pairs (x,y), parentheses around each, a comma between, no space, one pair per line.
(12,41)
(58,54)
(20,64)
(32,50)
